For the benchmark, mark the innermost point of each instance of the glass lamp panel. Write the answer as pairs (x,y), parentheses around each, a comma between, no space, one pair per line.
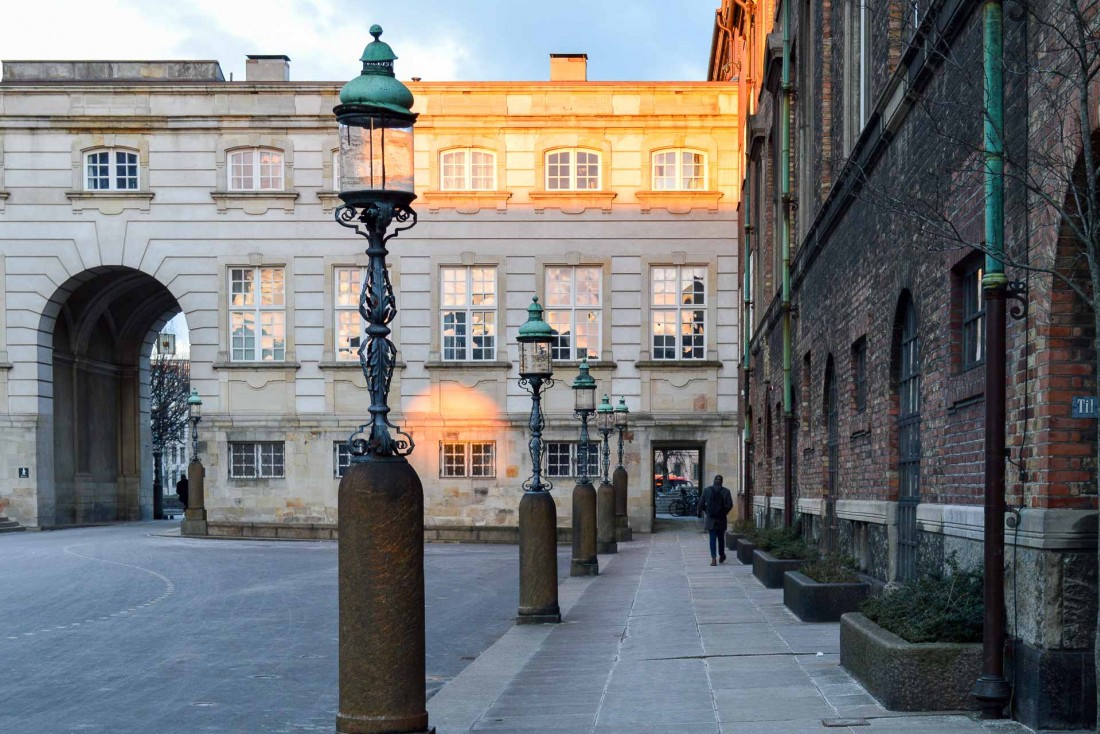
(605,420)
(376,157)
(585,399)
(534,359)
(620,419)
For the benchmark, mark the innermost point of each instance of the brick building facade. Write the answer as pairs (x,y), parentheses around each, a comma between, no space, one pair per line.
(886,453)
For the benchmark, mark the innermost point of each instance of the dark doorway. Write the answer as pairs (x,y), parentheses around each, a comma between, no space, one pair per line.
(677,472)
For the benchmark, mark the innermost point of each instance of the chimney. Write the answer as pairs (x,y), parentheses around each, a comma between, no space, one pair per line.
(261,68)
(568,67)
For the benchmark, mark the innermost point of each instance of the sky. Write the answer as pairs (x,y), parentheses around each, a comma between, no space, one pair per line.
(437,40)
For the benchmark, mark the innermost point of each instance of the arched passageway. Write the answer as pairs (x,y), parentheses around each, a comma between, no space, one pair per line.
(97,332)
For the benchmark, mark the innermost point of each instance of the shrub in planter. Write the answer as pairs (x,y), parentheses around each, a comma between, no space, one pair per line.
(917,646)
(741,528)
(777,552)
(935,607)
(824,590)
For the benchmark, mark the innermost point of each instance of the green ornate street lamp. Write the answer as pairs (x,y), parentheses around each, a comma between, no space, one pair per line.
(619,478)
(381,499)
(538,534)
(194,517)
(605,495)
(584,562)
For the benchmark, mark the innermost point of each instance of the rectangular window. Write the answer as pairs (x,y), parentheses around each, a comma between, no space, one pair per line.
(562,459)
(467,170)
(257,314)
(572,170)
(473,459)
(256,460)
(111,170)
(255,169)
(678,311)
(468,313)
(973,317)
(348,326)
(341,458)
(574,308)
(679,170)
(859,373)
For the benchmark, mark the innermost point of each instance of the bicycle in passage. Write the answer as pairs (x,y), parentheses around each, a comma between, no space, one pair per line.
(686,504)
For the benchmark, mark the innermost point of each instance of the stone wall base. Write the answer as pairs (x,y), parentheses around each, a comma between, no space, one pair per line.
(320,531)
(1054,689)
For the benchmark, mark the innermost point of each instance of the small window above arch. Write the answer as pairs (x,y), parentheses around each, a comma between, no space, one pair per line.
(111,169)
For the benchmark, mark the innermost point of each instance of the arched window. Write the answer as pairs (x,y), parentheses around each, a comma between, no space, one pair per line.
(255,169)
(679,170)
(467,169)
(572,169)
(909,438)
(111,169)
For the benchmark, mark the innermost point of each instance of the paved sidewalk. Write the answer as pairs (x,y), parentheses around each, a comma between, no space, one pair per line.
(662,643)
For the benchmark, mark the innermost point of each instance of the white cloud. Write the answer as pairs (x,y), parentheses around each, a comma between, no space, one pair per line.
(323,41)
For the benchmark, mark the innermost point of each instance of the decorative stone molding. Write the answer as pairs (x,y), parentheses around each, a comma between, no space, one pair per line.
(289,365)
(329,200)
(441,365)
(254,202)
(3,198)
(679,202)
(879,512)
(572,202)
(678,364)
(466,202)
(109,202)
(350,364)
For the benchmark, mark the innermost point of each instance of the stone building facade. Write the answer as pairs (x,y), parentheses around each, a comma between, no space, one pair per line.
(132,191)
(886,455)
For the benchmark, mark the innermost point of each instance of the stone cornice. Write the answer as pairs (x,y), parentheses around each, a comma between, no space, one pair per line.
(110,202)
(679,202)
(254,202)
(466,202)
(572,202)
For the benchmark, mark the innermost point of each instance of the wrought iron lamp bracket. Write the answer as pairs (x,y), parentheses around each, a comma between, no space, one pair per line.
(1017,291)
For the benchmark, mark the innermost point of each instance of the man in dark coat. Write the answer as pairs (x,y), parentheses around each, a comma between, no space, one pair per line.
(714,504)
(181,490)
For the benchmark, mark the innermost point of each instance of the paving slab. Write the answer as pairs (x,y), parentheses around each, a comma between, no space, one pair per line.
(662,643)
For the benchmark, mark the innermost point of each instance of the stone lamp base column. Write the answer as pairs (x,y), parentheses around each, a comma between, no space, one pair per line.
(622,522)
(381,572)
(605,519)
(538,559)
(194,517)
(584,561)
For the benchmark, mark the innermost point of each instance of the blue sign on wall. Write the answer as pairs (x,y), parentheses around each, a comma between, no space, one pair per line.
(1084,407)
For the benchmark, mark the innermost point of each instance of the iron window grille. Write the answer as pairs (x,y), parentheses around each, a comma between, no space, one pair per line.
(257,460)
(472,459)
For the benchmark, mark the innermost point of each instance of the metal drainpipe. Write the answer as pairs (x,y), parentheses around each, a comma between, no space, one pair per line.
(785,234)
(991,689)
(746,330)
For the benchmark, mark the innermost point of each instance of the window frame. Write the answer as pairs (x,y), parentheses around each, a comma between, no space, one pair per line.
(112,153)
(550,471)
(258,459)
(341,458)
(593,351)
(469,310)
(256,172)
(972,311)
(339,308)
(679,308)
(572,151)
(859,374)
(257,309)
(468,459)
(678,176)
(467,177)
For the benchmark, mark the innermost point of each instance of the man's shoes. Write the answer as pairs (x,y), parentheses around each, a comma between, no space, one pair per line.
(713,562)
(721,559)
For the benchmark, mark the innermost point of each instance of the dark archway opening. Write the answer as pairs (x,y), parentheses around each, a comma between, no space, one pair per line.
(99,330)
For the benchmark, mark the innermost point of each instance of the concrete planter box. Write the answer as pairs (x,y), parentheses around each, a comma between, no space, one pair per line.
(770,570)
(732,538)
(744,551)
(905,676)
(812,601)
